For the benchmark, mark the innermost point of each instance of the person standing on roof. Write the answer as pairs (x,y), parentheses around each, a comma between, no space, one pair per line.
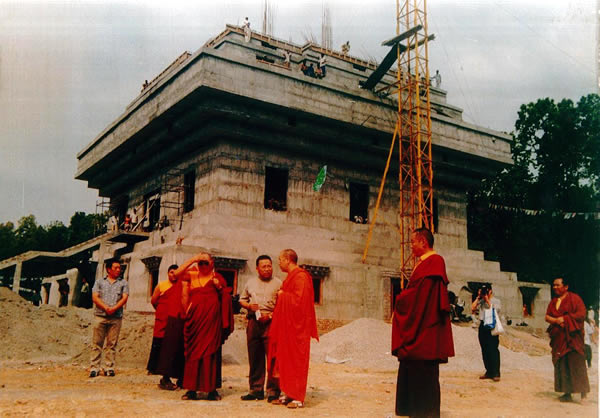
(322,64)
(247,31)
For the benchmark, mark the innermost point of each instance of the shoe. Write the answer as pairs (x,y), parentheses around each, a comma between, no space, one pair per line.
(213,396)
(566,398)
(295,404)
(496,379)
(256,396)
(166,385)
(272,398)
(190,395)
(110,373)
(484,376)
(583,395)
(93,373)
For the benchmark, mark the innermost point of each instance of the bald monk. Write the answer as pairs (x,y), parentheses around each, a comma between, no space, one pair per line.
(206,301)
(294,323)
(421,331)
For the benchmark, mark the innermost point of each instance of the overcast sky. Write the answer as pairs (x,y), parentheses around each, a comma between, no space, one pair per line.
(69,68)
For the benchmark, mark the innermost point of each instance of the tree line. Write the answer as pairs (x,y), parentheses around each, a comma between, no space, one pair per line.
(540,217)
(27,235)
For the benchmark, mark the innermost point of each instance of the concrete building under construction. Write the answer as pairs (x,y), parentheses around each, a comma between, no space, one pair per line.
(223,147)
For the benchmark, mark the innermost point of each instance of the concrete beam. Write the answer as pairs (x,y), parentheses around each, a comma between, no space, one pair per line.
(17,277)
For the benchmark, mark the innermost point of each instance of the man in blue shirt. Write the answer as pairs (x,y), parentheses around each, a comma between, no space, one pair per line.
(109,295)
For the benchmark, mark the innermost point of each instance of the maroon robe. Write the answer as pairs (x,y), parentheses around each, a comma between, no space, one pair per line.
(570,373)
(422,338)
(169,326)
(294,323)
(208,322)
(421,328)
(168,305)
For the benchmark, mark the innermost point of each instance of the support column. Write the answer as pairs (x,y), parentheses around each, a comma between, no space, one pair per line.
(17,277)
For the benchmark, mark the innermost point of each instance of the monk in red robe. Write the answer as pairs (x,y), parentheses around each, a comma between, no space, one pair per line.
(166,354)
(294,323)
(566,315)
(206,300)
(421,331)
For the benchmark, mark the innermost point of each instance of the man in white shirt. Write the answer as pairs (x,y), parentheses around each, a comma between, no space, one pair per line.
(258,298)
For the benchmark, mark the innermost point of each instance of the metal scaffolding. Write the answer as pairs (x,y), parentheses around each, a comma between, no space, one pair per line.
(412,130)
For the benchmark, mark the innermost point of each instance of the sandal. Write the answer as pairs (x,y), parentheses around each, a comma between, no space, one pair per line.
(282,400)
(190,395)
(295,404)
(213,396)
(166,385)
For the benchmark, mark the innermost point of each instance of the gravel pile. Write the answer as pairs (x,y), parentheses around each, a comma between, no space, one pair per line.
(366,343)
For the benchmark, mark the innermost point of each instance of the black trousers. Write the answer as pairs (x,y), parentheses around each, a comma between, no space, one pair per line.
(418,388)
(258,345)
(489,351)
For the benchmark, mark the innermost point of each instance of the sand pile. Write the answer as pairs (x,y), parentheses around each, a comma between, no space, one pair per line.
(365,343)
(51,334)
(47,333)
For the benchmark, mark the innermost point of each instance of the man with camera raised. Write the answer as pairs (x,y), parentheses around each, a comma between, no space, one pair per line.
(486,304)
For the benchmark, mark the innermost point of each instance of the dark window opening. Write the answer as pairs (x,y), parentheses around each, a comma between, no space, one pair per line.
(317,288)
(529,294)
(189,191)
(153,280)
(118,208)
(359,203)
(267,45)
(151,210)
(434,213)
(265,58)
(276,184)
(230,276)
(292,120)
(359,67)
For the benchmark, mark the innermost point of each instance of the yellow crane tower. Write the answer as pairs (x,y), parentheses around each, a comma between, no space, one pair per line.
(412,131)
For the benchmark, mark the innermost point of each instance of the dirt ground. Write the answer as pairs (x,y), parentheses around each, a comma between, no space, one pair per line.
(334,390)
(44,354)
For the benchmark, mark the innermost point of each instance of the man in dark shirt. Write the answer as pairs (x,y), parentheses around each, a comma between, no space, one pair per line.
(109,295)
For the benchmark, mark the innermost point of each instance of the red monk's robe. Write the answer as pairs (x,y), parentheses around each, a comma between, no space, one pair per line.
(168,326)
(421,328)
(168,305)
(294,323)
(208,322)
(570,337)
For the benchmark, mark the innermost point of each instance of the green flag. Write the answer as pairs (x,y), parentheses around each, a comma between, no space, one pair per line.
(320,179)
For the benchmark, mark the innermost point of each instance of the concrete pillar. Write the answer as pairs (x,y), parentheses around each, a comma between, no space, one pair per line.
(17,277)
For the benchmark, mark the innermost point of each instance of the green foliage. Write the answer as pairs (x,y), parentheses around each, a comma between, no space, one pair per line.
(29,236)
(556,170)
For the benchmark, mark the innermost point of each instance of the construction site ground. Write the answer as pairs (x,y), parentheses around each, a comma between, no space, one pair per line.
(44,355)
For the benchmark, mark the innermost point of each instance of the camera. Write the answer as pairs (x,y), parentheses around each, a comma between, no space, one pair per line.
(483,291)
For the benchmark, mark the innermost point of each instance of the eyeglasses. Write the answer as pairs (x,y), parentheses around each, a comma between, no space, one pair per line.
(203,263)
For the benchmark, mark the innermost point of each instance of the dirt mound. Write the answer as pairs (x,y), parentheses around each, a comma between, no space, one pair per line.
(47,333)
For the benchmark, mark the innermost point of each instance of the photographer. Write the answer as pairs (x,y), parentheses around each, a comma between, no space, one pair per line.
(484,302)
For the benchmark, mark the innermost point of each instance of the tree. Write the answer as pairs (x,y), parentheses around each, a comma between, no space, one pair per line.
(8,240)
(556,171)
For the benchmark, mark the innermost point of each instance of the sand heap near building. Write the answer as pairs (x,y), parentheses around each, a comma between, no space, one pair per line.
(51,334)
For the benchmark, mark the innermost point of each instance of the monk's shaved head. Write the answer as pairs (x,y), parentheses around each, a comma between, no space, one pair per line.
(290,255)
